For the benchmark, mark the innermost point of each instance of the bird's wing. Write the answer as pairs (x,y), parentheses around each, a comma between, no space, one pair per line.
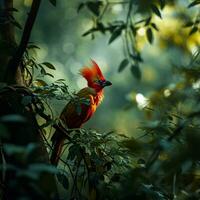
(75,114)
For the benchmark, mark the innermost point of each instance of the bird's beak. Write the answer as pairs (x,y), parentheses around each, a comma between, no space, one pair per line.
(107,83)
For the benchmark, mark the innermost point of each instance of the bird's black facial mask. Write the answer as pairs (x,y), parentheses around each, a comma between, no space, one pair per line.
(104,83)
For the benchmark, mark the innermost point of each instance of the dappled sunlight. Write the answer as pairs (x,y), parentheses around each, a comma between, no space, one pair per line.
(100,99)
(141,31)
(172,32)
(28,2)
(167,93)
(116,9)
(141,100)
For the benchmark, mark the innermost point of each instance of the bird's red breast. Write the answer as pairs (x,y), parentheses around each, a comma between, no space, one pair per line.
(70,116)
(93,93)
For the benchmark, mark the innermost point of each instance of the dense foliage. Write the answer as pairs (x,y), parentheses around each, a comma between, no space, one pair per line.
(162,160)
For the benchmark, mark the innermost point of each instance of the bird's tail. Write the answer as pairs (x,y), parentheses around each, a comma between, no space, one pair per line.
(57,143)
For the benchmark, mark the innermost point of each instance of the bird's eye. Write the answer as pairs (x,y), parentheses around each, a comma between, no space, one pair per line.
(98,82)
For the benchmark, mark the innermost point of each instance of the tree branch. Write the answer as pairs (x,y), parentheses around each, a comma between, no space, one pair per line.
(15,61)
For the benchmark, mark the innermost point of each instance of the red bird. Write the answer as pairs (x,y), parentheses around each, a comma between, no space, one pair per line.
(70,117)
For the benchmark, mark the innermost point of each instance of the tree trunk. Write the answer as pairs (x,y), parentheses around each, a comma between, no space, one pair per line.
(20,132)
(7,40)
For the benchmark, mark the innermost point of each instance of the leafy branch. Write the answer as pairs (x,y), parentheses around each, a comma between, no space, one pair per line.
(128,27)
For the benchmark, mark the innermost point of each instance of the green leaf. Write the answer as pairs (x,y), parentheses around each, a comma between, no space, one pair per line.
(137,57)
(193,30)
(156,10)
(17,24)
(40,82)
(194,3)
(149,35)
(136,72)
(162,3)
(80,6)
(48,74)
(63,180)
(88,32)
(123,65)
(60,80)
(47,123)
(134,29)
(49,65)
(42,71)
(116,33)
(188,24)
(53,2)
(154,26)
(32,46)
(94,7)
(101,27)
(74,150)
(148,20)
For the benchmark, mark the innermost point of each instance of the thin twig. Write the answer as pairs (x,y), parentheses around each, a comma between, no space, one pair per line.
(71,173)
(174,187)
(75,186)
(127,27)
(104,11)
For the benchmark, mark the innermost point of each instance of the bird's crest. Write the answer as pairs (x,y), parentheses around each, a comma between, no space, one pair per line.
(92,73)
